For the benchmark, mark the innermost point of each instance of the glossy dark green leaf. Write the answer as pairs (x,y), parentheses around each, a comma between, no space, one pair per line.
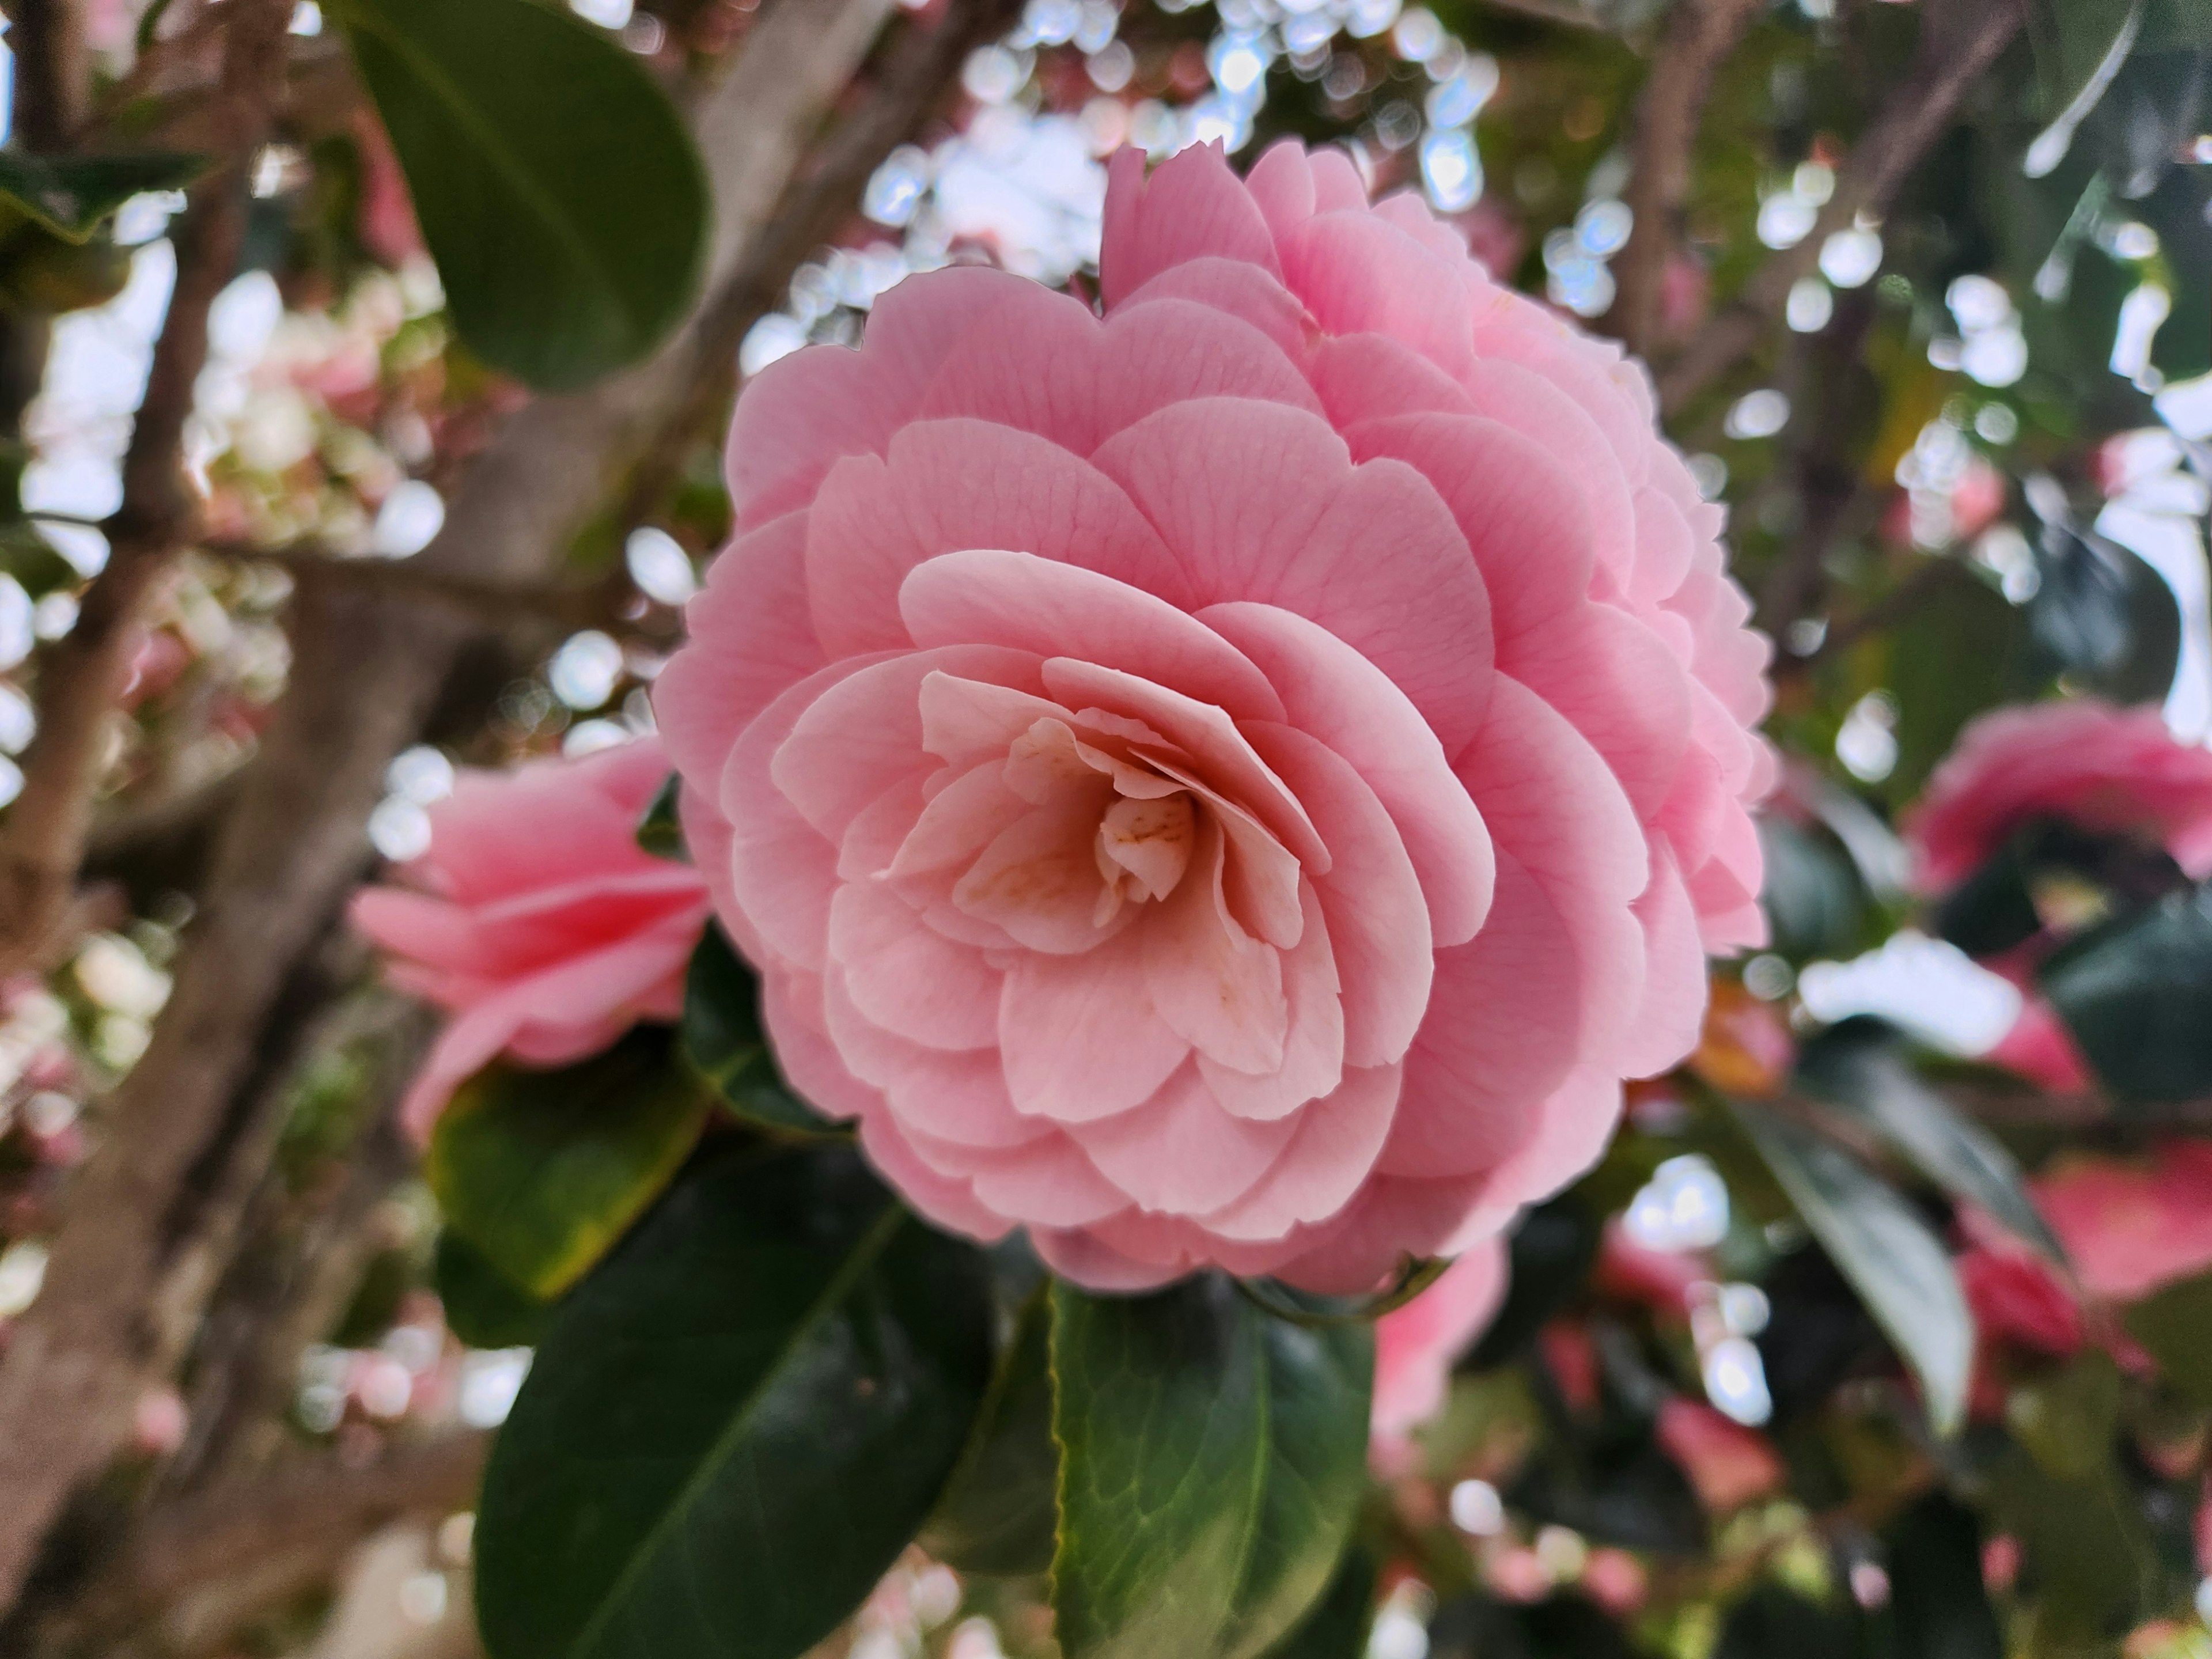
(660,832)
(2085,1548)
(722,1039)
(72,196)
(1866,1073)
(1939,1606)
(484,1307)
(1337,1627)
(736,1424)
(1813,896)
(1774,1623)
(2105,618)
(543,1171)
(1211,1462)
(555,184)
(998,1513)
(1962,649)
(2137,997)
(2080,47)
(1894,1260)
(2174,1326)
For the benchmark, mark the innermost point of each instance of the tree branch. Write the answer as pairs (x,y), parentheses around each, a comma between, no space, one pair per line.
(1700,34)
(82,677)
(1959,41)
(53,71)
(202,1565)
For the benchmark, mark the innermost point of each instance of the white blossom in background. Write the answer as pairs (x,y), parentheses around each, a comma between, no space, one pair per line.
(2156,509)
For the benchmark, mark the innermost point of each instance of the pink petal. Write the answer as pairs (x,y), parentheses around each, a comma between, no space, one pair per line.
(1359,274)
(951,1204)
(908,978)
(800,414)
(1518,504)
(1180,1153)
(1246,291)
(1533,407)
(751,638)
(1217,750)
(1262,503)
(862,734)
(1552,803)
(1038,878)
(1192,207)
(1049,1182)
(955,1099)
(1337,696)
(1672,1012)
(782,870)
(950,485)
(1368,377)
(1504,1023)
(1214,985)
(1282,185)
(791,1015)
(1325,1162)
(1615,680)
(1378,918)
(1078,1036)
(1030,604)
(1313,1048)
(1105,376)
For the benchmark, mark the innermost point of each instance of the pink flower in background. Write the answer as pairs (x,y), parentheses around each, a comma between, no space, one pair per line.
(1728,1464)
(1416,1346)
(2103,769)
(2129,1229)
(2108,770)
(536,918)
(1237,782)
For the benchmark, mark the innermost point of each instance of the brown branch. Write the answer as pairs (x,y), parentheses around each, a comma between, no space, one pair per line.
(53,71)
(1700,34)
(1960,39)
(366,669)
(203,1565)
(82,677)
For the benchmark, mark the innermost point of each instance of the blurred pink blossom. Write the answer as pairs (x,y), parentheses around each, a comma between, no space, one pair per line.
(1416,1346)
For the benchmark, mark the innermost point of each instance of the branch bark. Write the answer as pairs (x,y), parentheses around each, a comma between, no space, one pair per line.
(1959,41)
(82,677)
(53,71)
(199,1565)
(126,1284)
(1700,34)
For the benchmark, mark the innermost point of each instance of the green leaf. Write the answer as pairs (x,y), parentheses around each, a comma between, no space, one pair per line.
(72,196)
(2105,618)
(2081,46)
(542,1171)
(484,1307)
(555,184)
(1939,1606)
(2137,996)
(998,1514)
(736,1424)
(2174,1326)
(1894,1260)
(1212,1463)
(722,1040)
(660,832)
(1337,1627)
(1771,1622)
(1866,1074)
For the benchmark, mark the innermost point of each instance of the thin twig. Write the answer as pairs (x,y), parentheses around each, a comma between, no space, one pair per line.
(82,677)
(53,71)
(1700,34)
(1959,41)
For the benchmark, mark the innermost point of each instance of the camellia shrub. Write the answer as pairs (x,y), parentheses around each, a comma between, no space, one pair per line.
(1257,829)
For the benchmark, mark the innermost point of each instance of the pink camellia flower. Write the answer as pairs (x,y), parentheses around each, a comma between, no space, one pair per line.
(1728,1464)
(2107,770)
(2129,1229)
(1416,1346)
(1238,781)
(536,918)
